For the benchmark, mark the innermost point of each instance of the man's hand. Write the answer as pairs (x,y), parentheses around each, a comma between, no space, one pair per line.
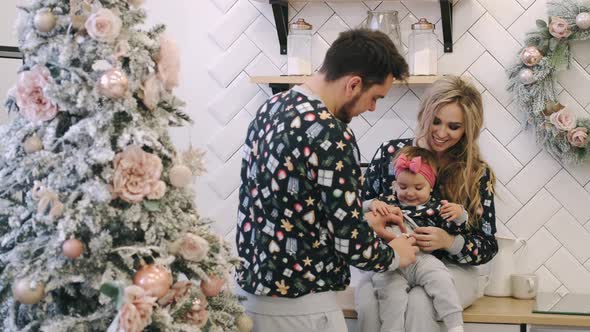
(378,223)
(450,211)
(405,249)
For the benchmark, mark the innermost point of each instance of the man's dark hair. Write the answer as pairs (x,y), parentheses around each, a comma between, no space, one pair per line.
(366,53)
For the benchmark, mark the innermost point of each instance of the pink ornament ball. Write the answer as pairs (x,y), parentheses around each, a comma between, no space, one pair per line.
(73,248)
(212,286)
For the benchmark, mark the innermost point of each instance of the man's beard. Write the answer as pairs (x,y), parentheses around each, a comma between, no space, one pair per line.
(344,114)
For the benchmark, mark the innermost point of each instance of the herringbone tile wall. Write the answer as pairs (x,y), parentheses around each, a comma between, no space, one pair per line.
(224,42)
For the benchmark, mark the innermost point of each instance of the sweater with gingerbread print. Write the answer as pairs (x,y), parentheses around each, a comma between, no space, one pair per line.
(473,246)
(300,222)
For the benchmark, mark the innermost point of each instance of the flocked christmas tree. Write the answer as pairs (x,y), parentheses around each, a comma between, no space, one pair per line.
(98,228)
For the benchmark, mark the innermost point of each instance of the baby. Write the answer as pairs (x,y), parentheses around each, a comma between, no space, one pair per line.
(415,171)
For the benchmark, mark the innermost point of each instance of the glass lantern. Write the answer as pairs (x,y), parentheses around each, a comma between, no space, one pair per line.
(422,49)
(299,48)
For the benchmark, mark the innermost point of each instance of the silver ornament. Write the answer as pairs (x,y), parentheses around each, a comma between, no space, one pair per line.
(530,56)
(525,76)
(583,20)
(44,20)
(113,84)
(33,144)
(27,293)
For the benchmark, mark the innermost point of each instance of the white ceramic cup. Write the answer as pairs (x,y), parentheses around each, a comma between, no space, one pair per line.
(524,286)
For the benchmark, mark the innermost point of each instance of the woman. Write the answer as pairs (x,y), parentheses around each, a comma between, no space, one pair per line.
(449,123)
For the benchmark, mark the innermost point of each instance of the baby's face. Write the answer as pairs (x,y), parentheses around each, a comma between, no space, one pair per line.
(412,189)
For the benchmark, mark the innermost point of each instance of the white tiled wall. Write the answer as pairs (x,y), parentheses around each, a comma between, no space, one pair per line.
(224,42)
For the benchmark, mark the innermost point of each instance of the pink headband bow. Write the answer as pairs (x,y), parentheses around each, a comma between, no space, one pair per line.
(416,166)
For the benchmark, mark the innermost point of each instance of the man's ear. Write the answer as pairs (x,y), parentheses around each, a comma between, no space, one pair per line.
(354,85)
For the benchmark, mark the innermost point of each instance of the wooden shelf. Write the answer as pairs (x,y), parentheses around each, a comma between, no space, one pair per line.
(416,80)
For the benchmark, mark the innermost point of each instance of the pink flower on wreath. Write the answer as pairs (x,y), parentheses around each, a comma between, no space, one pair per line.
(136,312)
(168,62)
(563,120)
(30,97)
(578,137)
(103,26)
(559,28)
(137,175)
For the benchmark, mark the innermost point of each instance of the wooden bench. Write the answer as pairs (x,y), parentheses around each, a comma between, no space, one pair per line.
(492,310)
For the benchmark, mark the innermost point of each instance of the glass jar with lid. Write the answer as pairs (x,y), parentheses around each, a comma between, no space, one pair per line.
(387,22)
(422,49)
(299,48)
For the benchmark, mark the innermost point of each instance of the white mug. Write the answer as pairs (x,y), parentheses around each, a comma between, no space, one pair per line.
(524,286)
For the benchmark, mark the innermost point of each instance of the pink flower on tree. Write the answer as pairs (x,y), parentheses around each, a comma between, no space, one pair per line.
(578,137)
(168,62)
(136,312)
(30,97)
(191,247)
(563,120)
(559,28)
(137,175)
(103,26)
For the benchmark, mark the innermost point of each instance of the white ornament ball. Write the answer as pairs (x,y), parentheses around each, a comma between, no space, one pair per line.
(113,84)
(180,176)
(583,20)
(44,20)
(73,248)
(24,293)
(244,323)
(33,144)
(525,76)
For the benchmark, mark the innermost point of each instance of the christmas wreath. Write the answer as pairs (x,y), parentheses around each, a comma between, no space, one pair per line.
(532,80)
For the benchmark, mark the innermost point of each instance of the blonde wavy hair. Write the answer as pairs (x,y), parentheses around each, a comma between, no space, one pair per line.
(459,180)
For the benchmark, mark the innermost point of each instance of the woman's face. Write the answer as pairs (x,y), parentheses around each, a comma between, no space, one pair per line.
(447,128)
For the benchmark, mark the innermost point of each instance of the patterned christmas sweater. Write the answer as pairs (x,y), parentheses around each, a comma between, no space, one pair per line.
(300,220)
(479,245)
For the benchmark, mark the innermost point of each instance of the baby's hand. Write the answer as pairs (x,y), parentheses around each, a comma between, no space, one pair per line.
(382,208)
(450,211)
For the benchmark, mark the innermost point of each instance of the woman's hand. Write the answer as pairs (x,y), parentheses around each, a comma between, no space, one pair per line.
(450,211)
(430,239)
(381,208)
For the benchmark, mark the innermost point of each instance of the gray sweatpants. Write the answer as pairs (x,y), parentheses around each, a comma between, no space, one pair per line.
(316,312)
(429,272)
(420,313)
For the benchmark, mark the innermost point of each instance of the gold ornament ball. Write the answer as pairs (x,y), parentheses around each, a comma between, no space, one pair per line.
(24,293)
(73,248)
(44,20)
(213,286)
(244,323)
(156,280)
(33,144)
(113,84)
(583,20)
(180,176)
(531,56)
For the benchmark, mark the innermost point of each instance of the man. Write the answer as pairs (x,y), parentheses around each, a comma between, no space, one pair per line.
(300,222)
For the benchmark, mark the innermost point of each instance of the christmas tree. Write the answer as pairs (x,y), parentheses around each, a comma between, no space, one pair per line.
(98,228)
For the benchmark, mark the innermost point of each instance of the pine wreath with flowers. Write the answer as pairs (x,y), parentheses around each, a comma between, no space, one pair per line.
(532,80)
